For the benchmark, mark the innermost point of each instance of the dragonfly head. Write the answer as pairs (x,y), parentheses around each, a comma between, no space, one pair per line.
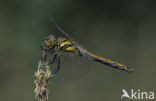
(50,42)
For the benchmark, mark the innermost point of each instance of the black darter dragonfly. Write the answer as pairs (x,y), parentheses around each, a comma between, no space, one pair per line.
(58,46)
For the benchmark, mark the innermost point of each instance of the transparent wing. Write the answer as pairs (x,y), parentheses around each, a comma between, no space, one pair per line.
(60,29)
(72,67)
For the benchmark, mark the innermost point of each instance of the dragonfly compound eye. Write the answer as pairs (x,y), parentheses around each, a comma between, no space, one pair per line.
(50,41)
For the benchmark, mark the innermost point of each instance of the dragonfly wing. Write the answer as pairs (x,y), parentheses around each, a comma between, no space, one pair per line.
(60,29)
(72,67)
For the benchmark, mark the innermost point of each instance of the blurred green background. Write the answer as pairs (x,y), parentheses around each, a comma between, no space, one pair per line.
(121,30)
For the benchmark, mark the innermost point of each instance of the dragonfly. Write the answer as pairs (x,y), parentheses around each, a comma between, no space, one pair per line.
(58,46)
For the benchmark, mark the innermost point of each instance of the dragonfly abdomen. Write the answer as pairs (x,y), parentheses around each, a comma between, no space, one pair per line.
(114,64)
(107,61)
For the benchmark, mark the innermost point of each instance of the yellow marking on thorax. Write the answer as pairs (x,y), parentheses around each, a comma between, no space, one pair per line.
(70,48)
(65,43)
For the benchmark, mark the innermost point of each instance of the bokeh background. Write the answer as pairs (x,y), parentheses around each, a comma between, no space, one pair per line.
(121,30)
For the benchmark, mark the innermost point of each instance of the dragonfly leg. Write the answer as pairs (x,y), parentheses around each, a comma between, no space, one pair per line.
(42,48)
(54,59)
(58,65)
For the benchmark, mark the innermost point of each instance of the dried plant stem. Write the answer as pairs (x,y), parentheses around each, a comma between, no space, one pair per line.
(42,75)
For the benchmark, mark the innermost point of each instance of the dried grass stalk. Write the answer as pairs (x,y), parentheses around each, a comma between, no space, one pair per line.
(42,75)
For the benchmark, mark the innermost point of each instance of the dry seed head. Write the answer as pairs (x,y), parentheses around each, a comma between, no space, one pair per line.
(42,75)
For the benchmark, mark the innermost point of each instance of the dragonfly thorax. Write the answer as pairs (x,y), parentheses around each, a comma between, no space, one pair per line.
(66,44)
